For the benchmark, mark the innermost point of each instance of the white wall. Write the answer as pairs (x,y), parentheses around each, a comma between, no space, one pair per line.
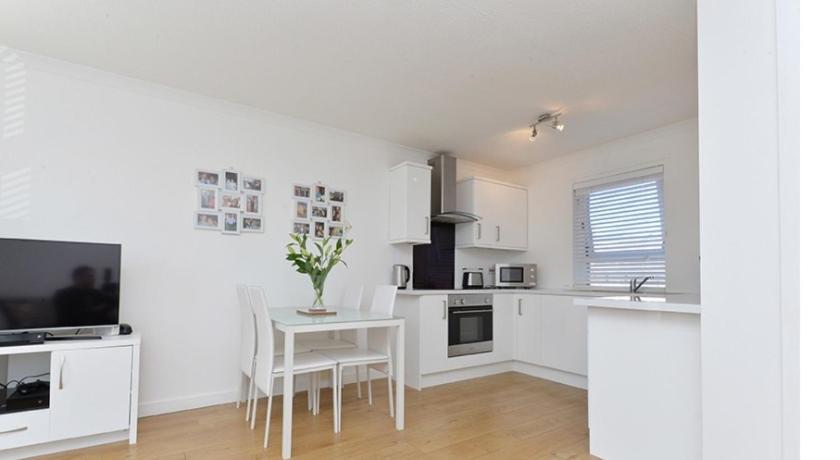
(748,62)
(105,158)
(550,185)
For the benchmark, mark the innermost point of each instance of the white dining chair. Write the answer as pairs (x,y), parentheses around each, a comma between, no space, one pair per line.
(269,367)
(248,349)
(376,355)
(351,299)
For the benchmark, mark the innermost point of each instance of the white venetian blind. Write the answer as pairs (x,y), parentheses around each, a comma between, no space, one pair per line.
(619,231)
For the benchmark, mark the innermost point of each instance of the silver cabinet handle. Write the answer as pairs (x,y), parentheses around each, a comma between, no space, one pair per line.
(428,223)
(471,311)
(15,430)
(520,307)
(479,230)
(498,232)
(61,373)
(445,309)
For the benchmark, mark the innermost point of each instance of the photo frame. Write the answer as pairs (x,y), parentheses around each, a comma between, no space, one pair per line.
(208,199)
(319,229)
(230,201)
(337,214)
(252,184)
(302,191)
(230,181)
(207,178)
(302,210)
(336,231)
(207,220)
(252,203)
(320,211)
(319,193)
(252,224)
(301,227)
(337,196)
(231,222)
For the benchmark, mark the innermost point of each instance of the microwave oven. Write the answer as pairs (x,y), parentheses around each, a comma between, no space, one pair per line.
(515,276)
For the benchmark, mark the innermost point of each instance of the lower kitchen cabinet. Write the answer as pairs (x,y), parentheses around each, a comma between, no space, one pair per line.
(529,329)
(434,334)
(563,339)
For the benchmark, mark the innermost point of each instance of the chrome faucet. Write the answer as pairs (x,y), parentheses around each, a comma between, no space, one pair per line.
(635,284)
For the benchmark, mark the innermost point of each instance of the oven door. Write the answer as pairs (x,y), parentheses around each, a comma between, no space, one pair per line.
(470,330)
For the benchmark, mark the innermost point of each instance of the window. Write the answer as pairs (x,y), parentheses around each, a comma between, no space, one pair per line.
(619,231)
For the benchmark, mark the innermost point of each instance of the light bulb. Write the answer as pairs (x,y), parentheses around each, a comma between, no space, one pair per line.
(557,125)
(533,134)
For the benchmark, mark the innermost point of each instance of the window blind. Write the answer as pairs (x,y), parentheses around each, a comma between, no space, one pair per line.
(619,231)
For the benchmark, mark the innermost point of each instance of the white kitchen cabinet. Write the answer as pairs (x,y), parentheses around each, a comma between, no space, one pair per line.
(563,334)
(410,189)
(504,327)
(434,334)
(503,209)
(89,391)
(529,329)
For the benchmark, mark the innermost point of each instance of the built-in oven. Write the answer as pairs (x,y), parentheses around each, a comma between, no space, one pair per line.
(470,319)
(515,276)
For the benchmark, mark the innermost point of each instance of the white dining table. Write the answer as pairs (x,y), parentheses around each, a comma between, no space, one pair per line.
(290,322)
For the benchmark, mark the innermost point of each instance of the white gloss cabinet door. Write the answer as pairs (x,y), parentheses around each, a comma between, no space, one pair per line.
(503,209)
(563,334)
(528,329)
(89,391)
(504,333)
(434,334)
(512,227)
(410,188)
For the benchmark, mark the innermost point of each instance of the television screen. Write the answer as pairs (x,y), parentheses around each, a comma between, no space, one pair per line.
(58,284)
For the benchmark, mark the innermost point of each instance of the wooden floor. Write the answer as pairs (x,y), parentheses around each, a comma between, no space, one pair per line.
(505,416)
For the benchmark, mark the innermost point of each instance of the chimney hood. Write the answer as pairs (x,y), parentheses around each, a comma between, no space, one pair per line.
(444,200)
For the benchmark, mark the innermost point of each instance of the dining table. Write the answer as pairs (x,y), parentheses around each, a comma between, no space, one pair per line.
(290,321)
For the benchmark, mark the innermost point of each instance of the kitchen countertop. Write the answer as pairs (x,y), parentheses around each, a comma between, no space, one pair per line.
(540,291)
(671,303)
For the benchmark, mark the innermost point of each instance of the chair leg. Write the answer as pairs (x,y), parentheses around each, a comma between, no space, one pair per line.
(310,403)
(241,390)
(340,384)
(254,408)
(358,383)
(370,389)
(317,377)
(268,415)
(250,396)
(335,398)
(390,393)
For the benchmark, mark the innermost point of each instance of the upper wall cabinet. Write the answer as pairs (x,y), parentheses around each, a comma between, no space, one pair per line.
(503,209)
(410,204)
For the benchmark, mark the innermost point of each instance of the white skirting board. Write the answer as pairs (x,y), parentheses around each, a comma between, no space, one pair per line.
(554,375)
(63,445)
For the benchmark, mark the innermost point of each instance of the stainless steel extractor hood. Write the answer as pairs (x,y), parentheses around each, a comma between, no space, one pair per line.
(444,200)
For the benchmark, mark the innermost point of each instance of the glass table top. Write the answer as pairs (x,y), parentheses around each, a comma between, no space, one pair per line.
(290,317)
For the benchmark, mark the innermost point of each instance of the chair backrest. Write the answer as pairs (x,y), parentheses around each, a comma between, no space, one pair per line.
(265,337)
(248,339)
(352,297)
(383,303)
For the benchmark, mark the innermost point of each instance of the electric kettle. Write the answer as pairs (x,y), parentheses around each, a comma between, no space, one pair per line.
(401,276)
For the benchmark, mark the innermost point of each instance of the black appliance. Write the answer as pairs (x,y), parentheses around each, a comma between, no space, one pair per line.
(470,318)
(26,396)
(47,285)
(434,264)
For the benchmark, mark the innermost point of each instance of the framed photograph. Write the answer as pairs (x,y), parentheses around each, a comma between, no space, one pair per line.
(230,201)
(301,228)
(320,211)
(302,210)
(319,229)
(252,224)
(253,203)
(230,181)
(302,191)
(336,214)
(337,196)
(336,231)
(252,184)
(320,193)
(230,223)
(207,178)
(205,220)
(208,199)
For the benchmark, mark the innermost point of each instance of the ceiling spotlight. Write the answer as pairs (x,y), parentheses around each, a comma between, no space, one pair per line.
(533,136)
(557,125)
(553,118)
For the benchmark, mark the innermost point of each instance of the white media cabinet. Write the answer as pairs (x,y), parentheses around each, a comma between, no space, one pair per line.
(93,395)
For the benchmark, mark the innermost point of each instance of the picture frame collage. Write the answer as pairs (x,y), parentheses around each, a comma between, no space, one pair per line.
(229,201)
(319,211)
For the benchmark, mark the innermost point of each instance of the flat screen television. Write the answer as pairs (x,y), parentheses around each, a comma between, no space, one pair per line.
(47,285)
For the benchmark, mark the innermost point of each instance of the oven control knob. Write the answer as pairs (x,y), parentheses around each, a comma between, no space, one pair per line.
(487,301)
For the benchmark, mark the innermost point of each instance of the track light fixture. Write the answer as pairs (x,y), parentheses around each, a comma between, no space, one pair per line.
(544,118)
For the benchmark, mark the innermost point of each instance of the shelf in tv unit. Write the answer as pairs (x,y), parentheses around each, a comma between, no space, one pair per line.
(18,408)
(106,341)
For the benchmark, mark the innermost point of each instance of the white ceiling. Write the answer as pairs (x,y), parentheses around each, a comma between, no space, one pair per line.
(463,76)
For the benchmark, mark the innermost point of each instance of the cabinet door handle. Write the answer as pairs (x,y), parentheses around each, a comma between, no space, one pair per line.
(479,230)
(15,430)
(445,309)
(498,232)
(520,307)
(427,225)
(61,373)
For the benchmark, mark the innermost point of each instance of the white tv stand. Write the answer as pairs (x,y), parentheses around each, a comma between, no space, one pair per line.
(93,395)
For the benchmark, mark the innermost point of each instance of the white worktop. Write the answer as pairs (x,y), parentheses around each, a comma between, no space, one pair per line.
(547,291)
(672,303)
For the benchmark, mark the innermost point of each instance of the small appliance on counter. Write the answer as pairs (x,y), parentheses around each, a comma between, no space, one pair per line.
(515,276)
(401,276)
(472,279)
